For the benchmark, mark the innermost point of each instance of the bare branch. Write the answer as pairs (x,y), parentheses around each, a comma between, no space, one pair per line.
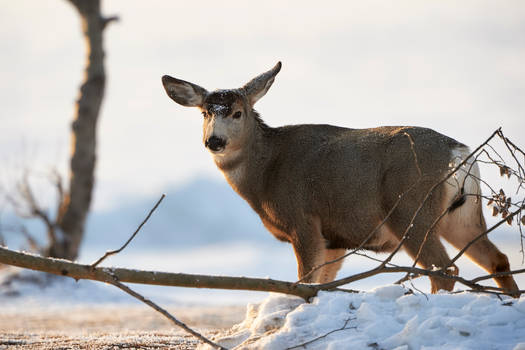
(111,252)
(498,274)
(56,180)
(411,270)
(150,303)
(343,328)
(80,271)
(508,143)
(108,20)
(412,148)
(35,210)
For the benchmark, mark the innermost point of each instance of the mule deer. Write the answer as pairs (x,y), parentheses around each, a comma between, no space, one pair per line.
(324,188)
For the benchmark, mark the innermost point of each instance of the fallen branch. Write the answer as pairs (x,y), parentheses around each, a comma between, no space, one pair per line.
(63,267)
(306,291)
(343,328)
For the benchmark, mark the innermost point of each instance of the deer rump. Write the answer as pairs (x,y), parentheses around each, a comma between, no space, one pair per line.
(325,189)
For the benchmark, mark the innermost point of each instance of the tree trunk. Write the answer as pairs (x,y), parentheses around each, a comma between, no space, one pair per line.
(75,204)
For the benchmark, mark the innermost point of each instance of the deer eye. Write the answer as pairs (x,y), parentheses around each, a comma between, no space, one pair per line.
(237,115)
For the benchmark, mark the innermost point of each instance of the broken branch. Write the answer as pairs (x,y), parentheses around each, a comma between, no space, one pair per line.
(112,252)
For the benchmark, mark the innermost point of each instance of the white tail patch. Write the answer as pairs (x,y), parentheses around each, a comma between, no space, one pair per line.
(462,188)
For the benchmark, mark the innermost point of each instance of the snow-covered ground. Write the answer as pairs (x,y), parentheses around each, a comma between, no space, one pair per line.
(384,318)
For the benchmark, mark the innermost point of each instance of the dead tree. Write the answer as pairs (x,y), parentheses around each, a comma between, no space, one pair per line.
(75,204)
(65,231)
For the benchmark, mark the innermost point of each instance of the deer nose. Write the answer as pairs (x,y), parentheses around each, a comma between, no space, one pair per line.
(215,143)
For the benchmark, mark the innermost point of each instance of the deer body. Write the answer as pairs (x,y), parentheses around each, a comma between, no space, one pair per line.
(324,189)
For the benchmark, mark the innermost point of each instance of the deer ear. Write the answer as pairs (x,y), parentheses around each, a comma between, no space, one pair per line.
(258,86)
(183,92)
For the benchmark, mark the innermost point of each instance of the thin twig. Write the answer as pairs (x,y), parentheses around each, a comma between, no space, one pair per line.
(56,180)
(395,269)
(343,328)
(506,142)
(114,281)
(112,252)
(410,280)
(413,149)
(498,274)
(498,294)
(26,192)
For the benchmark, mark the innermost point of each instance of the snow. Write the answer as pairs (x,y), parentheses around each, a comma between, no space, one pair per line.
(387,317)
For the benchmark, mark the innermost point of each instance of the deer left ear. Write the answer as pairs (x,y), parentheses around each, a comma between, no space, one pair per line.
(258,86)
(183,92)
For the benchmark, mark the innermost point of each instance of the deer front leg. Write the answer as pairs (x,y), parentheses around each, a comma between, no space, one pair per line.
(309,248)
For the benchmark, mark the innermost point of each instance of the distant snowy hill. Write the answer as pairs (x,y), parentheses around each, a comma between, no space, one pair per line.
(194,214)
(197,213)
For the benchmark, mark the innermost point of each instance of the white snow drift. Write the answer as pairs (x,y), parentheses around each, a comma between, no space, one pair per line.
(384,318)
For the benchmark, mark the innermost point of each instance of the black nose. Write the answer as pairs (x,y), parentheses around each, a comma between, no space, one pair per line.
(215,143)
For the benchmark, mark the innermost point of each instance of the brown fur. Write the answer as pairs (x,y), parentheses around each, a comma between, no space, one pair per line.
(325,188)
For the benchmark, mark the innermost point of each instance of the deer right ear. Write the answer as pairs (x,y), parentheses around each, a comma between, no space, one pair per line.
(183,92)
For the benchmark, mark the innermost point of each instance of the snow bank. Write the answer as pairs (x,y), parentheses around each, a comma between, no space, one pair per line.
(384,318)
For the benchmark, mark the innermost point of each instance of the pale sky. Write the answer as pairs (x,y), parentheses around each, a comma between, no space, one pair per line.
(455,66)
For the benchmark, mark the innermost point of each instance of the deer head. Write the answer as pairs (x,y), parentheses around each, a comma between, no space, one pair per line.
(228,114)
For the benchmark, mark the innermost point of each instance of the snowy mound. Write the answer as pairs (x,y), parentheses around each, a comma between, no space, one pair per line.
(384,318)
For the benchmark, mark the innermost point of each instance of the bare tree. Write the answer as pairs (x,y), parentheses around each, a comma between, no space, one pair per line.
(66,229)
(75,204)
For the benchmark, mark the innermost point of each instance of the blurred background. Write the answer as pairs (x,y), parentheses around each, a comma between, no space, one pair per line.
(456,67)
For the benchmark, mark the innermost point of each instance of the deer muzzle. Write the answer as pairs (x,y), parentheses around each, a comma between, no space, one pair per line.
(215,143)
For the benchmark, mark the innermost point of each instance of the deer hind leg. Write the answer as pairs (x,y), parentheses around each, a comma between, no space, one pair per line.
(427,248)
(431,255)
(466,222)
(483,252)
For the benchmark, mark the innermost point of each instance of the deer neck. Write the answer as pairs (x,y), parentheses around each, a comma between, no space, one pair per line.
(245,168)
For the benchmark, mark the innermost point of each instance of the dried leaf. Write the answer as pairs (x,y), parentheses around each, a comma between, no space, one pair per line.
(509,220)
(495,211)
(501,192)
(523,220)
(501,170)
(504,213)
(489,203)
